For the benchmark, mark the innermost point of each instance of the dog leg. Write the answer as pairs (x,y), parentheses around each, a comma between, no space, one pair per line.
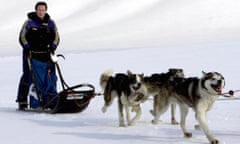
(109,96)
(184,111)
(155,105)
(107,99)
(201,117)
(162,107)
(127,113)
(138,111)
(120,112)
(173,114)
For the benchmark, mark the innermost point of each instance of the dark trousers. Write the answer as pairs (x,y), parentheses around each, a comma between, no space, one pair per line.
(23,86)
(42,74)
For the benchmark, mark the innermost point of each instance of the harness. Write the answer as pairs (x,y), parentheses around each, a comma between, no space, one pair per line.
(137,96)
(43,56)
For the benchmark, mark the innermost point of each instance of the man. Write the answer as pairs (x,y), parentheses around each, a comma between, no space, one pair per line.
(38,37)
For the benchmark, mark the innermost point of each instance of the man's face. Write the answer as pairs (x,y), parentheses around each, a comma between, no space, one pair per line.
(41,11)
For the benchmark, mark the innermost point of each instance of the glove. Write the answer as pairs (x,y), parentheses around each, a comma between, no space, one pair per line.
(26,49)
(26,46)
(52,48)
(52,51)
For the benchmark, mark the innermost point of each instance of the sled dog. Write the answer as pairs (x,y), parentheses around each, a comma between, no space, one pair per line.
(159,85)
(199,94)
(129,89)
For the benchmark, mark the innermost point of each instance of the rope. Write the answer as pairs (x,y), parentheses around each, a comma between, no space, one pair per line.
(230,93)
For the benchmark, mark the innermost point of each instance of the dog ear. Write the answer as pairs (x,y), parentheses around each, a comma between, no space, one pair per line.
(204,73)
(175,70)
(172,70)
(129,72)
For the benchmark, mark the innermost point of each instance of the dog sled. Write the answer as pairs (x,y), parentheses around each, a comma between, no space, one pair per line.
(43,95)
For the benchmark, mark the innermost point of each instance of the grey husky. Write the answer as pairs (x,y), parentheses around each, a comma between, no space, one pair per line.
(197,93)
(159,85)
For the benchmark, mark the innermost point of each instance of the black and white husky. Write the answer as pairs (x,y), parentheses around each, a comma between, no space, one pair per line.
(129,89)
(159,85)
(199,94)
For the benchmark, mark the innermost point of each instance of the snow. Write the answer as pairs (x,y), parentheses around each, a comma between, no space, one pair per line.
(139,35)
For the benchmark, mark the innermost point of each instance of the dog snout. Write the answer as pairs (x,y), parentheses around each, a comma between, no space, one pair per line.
(219,82)
(137,86)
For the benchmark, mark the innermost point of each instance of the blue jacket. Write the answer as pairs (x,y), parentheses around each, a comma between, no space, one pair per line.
(39,35)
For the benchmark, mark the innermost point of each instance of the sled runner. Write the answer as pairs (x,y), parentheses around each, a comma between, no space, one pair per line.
(43,96)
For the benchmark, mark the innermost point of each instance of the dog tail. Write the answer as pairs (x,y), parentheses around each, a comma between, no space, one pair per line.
(105,77)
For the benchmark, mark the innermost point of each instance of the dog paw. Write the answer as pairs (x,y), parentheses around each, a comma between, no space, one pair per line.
(215,141)
(155,122)
(197,127)
(152,112)
(174,122)
(122,125)
(188,135)
(104,109)
(132,122)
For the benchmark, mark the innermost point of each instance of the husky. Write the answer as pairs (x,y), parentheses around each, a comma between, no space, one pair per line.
(199,94)
(129,89)
(158,86)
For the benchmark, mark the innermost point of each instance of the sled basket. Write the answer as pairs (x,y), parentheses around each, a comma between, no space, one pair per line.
(74,99)
(71,99)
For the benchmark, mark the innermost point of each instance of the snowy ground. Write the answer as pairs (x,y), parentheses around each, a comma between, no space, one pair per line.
(92,126)
(139,35)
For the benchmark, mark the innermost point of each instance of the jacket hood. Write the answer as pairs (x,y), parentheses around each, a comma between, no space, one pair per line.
(33,16)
